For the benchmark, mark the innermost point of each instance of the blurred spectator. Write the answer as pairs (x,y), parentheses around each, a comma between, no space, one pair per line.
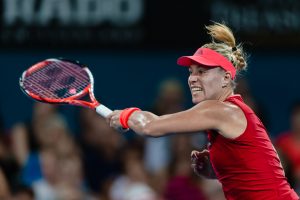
(170,99)
(183,184)
(288,145)
(8,165)
(244,90)
(48,133)
(29,138)
(4,188)
(71,180)
(44,188)
(133,184)
(49,158)
(212,189)
(23,193)
(101,146)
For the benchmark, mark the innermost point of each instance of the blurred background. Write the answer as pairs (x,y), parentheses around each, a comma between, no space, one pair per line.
(131,47)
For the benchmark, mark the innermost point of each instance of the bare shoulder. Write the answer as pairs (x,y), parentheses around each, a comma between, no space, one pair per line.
(217,108)
(231,120)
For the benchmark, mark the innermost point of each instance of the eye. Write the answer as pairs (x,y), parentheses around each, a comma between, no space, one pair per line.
(197,71)
(201,71)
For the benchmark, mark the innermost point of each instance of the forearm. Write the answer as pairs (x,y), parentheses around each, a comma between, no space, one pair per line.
(143,123)
(147,123)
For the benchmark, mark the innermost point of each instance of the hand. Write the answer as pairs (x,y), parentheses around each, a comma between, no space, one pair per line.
(201,164)
(113,119)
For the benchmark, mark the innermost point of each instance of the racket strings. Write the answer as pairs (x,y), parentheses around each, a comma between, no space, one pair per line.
(58,80)
(41,83)
(70,69)
(50,88)
(79,76)
(33,84)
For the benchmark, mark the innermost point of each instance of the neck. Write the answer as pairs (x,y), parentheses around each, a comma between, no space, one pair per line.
(225,94)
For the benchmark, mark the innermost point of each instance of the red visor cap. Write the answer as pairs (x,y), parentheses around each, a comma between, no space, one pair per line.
(209,58)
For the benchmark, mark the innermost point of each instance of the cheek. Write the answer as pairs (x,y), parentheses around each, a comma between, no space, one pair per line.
(215,82)
(189,80)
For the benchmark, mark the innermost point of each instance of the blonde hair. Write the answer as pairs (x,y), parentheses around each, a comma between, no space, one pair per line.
(223,42)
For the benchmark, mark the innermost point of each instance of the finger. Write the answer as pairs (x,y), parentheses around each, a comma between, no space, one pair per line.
(114,122)
(204,151)
(194,154)
(110,116)
(111,123)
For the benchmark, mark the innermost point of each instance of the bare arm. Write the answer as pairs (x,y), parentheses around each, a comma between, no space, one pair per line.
(226,118)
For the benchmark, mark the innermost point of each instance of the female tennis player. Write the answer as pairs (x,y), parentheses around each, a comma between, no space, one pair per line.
(241,153)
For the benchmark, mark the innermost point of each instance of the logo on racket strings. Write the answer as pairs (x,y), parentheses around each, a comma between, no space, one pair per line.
(72,91)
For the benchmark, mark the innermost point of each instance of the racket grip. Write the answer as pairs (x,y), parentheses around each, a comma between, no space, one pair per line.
(103,110)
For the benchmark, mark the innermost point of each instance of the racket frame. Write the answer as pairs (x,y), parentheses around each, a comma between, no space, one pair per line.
(73,100)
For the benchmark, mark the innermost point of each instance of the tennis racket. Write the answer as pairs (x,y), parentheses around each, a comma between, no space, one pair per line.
(61,81)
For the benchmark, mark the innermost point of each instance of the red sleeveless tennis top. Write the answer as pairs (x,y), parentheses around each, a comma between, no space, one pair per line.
(248,166)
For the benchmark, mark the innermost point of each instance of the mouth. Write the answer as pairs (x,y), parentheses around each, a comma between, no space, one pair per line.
(196,90)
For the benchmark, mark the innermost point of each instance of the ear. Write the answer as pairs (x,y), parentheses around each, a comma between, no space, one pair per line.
(226,79)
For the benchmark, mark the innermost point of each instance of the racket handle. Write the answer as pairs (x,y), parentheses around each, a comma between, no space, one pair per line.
(103,110)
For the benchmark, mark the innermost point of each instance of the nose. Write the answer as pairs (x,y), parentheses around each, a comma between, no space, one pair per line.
(193,78)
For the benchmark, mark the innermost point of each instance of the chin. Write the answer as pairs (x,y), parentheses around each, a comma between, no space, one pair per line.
(197,100)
